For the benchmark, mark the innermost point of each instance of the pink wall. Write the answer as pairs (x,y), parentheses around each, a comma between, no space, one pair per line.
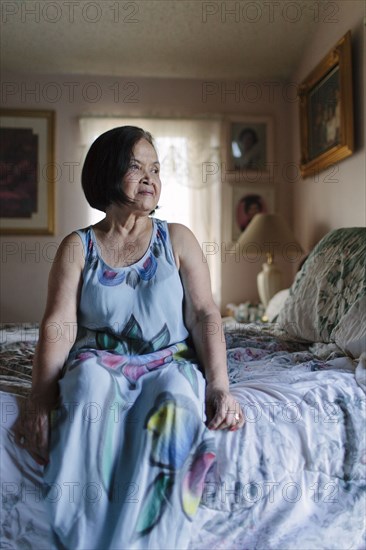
(338,198)
(24,278)
(312,208)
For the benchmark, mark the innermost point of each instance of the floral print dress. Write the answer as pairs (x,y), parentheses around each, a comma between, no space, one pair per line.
(129,447)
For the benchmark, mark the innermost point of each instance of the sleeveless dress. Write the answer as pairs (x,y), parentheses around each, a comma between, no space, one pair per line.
(129,450)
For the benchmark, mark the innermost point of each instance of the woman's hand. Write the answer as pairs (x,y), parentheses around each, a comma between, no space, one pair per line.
(222,410)
(31,429)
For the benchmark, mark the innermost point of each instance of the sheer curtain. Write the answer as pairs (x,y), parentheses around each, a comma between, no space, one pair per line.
(189,153)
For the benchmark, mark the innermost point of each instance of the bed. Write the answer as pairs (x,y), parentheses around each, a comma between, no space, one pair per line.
(294,476)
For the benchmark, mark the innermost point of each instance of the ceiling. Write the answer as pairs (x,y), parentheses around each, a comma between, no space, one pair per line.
(157,38)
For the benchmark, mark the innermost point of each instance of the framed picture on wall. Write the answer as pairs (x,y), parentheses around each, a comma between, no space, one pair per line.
(248,148)
(27,172)
(326,110)
(247,201)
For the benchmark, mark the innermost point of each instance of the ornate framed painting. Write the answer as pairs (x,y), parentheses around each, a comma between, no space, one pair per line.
(326,110)
(27,174)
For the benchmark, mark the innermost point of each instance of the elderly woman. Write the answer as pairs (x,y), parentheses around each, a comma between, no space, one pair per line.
(131,388)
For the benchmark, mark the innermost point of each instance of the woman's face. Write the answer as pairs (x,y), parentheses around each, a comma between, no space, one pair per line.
(142,180)
(253,210)
(246,142)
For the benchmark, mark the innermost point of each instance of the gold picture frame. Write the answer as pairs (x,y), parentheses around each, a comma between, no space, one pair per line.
(27,190)
(326,110)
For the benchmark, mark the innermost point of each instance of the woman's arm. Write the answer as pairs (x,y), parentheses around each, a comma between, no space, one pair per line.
(57,335)
(203,320)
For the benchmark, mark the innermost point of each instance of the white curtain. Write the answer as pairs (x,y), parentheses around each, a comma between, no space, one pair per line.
(189,153)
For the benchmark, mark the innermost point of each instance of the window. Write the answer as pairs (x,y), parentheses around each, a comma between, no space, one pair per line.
(189,153)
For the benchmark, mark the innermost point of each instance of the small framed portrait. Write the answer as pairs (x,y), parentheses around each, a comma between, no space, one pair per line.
(326,110)
(247,201)
(249,148)
(27,172)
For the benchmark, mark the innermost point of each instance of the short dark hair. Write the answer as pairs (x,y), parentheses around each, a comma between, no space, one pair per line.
(249,200)
(106,164)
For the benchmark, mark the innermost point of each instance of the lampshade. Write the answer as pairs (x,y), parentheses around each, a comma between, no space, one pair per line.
(268,234)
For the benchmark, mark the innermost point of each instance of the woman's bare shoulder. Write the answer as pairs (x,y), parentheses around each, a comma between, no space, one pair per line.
(71,250)
(180,231)
(183,240)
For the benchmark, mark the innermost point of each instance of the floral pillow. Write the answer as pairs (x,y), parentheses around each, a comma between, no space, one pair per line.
(332,279)
(350,333)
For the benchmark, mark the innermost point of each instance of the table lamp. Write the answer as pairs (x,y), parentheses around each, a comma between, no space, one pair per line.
(268,234)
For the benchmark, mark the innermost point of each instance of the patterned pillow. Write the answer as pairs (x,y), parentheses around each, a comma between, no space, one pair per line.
(350,333)
(332,279)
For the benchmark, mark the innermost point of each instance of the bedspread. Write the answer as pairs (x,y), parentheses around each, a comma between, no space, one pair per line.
(293,477)
(296,477)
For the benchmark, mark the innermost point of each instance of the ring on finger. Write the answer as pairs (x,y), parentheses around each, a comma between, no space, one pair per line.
(237,418)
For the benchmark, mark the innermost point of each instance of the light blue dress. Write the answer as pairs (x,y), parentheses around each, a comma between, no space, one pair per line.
(129,447)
